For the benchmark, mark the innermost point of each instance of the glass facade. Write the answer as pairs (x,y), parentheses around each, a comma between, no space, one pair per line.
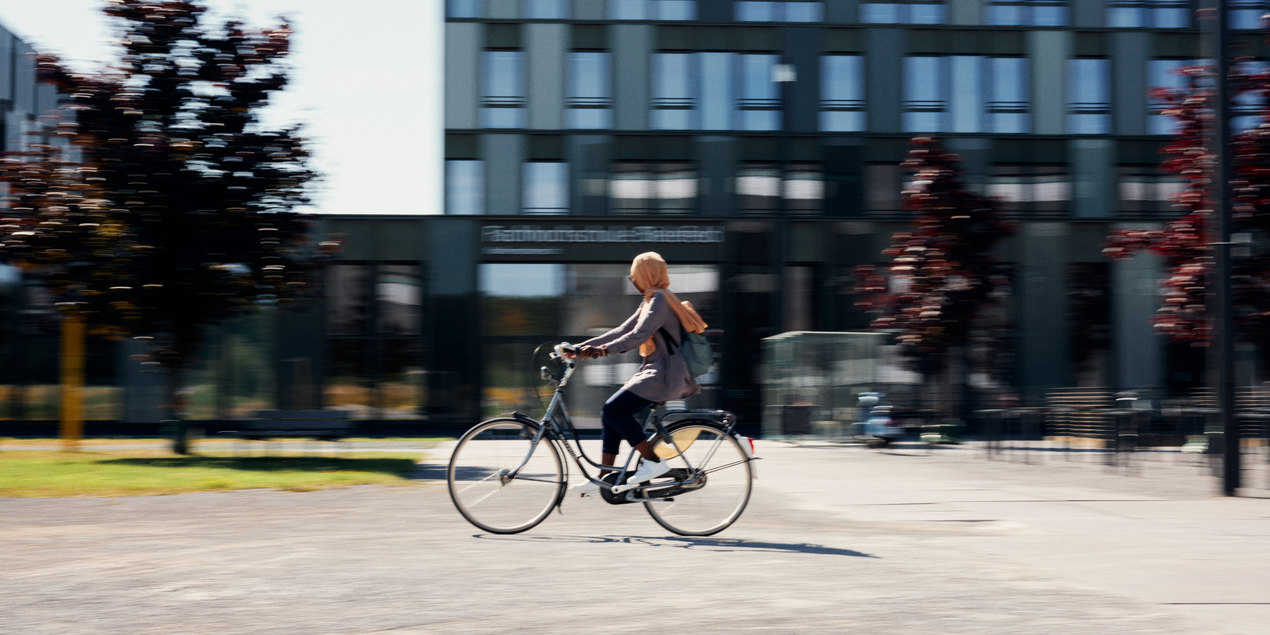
(526,305)
(464,187)
(903,13)
(1089,96)
(652,9)
(965,93)
(590,100)
(1026,13)
(546,187)
(842,93)
(503,89)
(1149,14)
(759,11)
(546,9)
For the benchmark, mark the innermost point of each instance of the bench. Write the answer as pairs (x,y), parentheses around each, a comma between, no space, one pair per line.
(322,425)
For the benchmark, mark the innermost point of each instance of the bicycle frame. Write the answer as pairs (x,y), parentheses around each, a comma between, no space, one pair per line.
(556,408)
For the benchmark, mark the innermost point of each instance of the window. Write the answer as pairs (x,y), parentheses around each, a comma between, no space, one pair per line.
(503,90)
(1088,96)
(947,94)
(347,301)
(758,188)
(1027,13)
(463,8)
(759,105)
(525,304)
(1148,14)
(926,84)
(1030,188)
(644,187)
(883,184)
(398,291)
(751,11)
(546,9)
(803,189)
(842,93)
(1010,102)
(590,104)
(464,187)
(545,187)
(1163,74)
(913,12)
(717,103)
(652,9)
(1145,190)
(1248,106)
(694,91)
(1246,14)
(674,88)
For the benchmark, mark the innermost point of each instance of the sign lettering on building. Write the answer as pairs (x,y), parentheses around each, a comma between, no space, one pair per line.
(558,234)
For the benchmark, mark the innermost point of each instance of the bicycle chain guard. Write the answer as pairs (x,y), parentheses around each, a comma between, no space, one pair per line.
(676,474)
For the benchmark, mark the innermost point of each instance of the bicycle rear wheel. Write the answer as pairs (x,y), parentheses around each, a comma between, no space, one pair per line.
(726,467)
(480,481)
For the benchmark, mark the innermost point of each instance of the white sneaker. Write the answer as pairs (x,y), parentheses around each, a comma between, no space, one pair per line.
(585,488)
(648,470)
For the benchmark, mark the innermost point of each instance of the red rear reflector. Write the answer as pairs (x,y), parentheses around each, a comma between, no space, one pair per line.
(751,445)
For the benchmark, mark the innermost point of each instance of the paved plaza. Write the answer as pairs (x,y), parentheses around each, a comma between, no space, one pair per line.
(837,539)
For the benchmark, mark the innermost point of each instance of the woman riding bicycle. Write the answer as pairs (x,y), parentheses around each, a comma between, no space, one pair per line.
(663,376)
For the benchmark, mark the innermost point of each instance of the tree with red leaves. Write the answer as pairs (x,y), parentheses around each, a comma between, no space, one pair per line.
(1183,243)
(942,273)
(177,215)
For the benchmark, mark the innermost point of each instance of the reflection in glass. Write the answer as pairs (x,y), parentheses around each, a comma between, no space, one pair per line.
(1150,14)
(674,84)
(502,89)
(1088,96)
(590,103)
(629,10)
(348,378)
(642,187)
(399,291)
(347,304)
(1030,187)
(1163,74)
(1146,189)
(716,91)
(1008,109)
(546,187)
(546,9)
(1027,13)
(758,188)
(760,104)
(463,8)
(464,187)
(401,385)
(925,93)
(842,93)
(521,299)
(1247,14)
(804,189)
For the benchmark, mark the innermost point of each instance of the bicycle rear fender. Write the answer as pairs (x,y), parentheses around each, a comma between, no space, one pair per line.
(721,418)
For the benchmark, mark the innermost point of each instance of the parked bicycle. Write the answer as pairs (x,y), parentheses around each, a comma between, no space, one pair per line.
(506,473)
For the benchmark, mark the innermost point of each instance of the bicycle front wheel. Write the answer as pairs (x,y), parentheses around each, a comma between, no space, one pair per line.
(710,452)
(483,487)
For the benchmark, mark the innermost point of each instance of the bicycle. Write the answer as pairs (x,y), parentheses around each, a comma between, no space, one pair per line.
(506,474)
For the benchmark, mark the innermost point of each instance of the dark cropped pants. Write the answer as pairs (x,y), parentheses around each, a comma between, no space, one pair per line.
(618,417)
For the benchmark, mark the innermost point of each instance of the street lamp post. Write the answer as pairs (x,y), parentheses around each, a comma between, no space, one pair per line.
(1222,314)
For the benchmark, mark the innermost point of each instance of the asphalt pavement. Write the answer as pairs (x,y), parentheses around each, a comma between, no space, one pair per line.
(837,539)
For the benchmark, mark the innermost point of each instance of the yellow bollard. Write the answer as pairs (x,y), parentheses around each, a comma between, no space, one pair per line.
(71,411)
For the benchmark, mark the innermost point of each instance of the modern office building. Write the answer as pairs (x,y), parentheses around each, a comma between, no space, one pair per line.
(777,129)
(757,146)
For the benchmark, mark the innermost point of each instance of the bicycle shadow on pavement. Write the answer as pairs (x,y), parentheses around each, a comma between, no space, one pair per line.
(722,545)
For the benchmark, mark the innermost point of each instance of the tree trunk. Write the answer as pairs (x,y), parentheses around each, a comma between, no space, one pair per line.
(71,412)
(173,420)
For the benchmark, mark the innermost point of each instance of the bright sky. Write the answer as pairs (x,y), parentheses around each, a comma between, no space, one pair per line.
(366,81)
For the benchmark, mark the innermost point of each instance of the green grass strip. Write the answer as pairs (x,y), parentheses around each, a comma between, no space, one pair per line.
(30,473)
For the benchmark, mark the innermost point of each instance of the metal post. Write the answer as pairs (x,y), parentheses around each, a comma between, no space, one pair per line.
(71,412)
(1225,340)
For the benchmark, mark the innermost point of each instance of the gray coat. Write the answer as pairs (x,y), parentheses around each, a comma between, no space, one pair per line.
(663,376)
